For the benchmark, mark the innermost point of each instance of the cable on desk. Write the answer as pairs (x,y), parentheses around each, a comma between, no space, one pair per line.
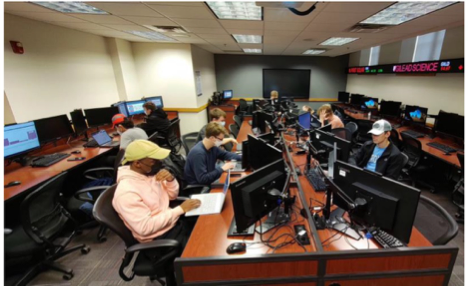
(346,238)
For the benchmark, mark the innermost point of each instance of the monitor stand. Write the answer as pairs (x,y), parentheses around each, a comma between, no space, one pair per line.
(337,223)
(233,229)
(275,218)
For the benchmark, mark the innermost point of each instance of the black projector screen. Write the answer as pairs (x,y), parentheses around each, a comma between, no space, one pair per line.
(288,82)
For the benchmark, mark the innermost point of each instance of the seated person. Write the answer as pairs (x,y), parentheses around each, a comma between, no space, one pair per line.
(325,113)
(218,116)
(274,95)
(142,201)
(314,121)
(155,120)
(200,167)
(127,130)
(380,155)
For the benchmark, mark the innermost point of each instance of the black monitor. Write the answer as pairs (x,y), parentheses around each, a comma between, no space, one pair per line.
(53,128)
(19,139)
(79,122)
(259,119)
(450,124)
(135,107)
(261,153)
(157,100)
(416,114)
(379,201)
(257,194)
(100,116)
(390,108)
(356,98)
(227,94)
(326,140)
(122,107)
(371,103)
(304,120)
(343,96)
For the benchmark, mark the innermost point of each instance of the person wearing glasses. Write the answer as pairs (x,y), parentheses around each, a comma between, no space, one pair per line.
(200,167)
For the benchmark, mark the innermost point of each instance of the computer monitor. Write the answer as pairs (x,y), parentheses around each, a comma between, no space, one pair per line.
(416,114)
(227,94)
(390,108)
(19,139)
(261,153)
(304,120)
(326,140)
(135,107)
(343,96)
(356,98)
(100,116)
(257,194)
(450,124)
(379,201)
(259,119)
(79,121)
(157,100)
(369,103)
(122,107)
(53,128)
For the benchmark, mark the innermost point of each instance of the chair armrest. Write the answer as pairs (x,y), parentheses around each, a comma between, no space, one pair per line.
(87,175)
(82,194)
(159,243)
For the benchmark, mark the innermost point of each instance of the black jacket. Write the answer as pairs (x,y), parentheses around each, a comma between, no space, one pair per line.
(156,121)
(389,164)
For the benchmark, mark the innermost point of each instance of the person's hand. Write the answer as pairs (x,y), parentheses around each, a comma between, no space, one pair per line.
(189,205)
(164,175)
(229,140)
(228,165)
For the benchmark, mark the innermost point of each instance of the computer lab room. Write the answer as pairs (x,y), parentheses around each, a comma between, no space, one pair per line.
(234,143)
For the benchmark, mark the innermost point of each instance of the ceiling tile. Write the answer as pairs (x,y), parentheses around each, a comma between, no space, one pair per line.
(102,19)
(281,33)
(242,24)
(285,26)
(127,27)
(184,12)
(207,31)
(150,21)
(215,36)
(126,9)
(316,27)
(284,15)
(251,46)
(198,23)
(177,3)
(48,17)
(356,7)
(24,7)
(452,10)
(277,39)
(81,26)
(244,32)
(220,42)
(210,48)
(340,18)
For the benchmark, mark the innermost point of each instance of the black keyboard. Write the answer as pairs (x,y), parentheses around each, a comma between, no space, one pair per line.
(413,134)
(47,160)
(442,147)
(91,144)
(316,180)
(385,239)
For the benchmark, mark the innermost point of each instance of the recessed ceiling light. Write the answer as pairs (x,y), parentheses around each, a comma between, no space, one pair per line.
(253,51)
(313,52)
(236,10)
(404,11)
(151,35)
(338,41)
(248,39)
(71,7)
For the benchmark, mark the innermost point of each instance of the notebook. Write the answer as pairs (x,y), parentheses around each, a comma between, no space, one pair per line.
(211,203)
(103,139)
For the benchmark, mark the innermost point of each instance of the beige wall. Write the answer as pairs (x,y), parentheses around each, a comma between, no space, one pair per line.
(203,61)
(8,116)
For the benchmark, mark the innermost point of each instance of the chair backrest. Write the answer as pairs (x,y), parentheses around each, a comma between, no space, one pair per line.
(364,126)
(234,129)
(172,139)
(405,159)
(461,159)
(189,140)
(413,148)
(395,138)
(243,106)
(118,163)
(154,137)
(105,214)
(42,215)
(342,133)
(434,222)
(353,128)
(238,120)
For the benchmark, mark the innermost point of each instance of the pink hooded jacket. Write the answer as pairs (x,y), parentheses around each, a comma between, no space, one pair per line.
(143,204)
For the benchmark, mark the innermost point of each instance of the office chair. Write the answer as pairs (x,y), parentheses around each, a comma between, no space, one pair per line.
(43,220)
(434,222)
(458,193)
(156,268)
(395,138)
(238,121)
(189,140)
(244,108)
(364,126)
(171,140)
(342,133)
(353,128)
(234,129)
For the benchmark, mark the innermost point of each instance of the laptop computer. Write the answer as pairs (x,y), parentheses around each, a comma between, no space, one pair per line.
(103,139)
(211,203)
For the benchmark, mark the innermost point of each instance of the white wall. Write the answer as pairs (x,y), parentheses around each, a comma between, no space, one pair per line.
(192,122)
(8,116)
(61,69)
(203,61)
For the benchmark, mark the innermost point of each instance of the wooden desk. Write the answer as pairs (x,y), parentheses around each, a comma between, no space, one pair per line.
(205,262)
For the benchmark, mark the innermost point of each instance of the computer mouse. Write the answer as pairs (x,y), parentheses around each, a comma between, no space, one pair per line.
(13,183)
(236,247)
(76,152)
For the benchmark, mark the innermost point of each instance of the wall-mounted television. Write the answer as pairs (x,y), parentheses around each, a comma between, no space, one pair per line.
(288,82)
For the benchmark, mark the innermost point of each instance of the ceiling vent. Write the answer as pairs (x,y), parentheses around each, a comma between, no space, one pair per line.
(167,29)
(367,28)
(233,51)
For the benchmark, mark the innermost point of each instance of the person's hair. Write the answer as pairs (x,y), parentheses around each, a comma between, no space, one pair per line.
(214,129)
(327,108)
(308,108)
(149,105)
(216,113)
(274,94)
(127,123)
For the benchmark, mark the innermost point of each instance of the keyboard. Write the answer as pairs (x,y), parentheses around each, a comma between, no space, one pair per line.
(91,144)
(316,180)
(413,134)
(47,160)
(385,239)
(442,147)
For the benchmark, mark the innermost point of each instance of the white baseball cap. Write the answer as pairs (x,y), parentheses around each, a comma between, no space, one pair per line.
(380,127)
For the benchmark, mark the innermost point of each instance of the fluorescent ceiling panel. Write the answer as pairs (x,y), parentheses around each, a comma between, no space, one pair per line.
(248,39)
(313,52)
(253,51)
(71,7)
(236,10)
(338,41)
(151,35)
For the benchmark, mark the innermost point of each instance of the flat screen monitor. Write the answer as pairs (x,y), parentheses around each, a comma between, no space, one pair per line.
(261,153)
(416,114)
(451,124)
(255,195)
(343,96)
(79,121)
(53,128)
(326,140)
(157,100)
(19,139)
(390,108)
(100,116)
(227,94)
(288,82)
(259,119)
(383,202)
(356,98)
(135,107)
(304,120)
(122,107)
(369,103)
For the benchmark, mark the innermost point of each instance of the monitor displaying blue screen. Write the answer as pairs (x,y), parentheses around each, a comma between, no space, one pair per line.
(227,94)
(122,108)
(304,120)
(135,107)
(20,138)
(369,103)
(416,114)
(157,100)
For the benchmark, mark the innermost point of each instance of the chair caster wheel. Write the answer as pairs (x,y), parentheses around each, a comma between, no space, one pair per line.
(102,239)
(68,276)
(85,250)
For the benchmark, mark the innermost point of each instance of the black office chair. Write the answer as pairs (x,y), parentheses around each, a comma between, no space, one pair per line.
(395,139)
(189,140)
(342,133)
(171,140)
(43,221)
(353,128)
(158,266)
(434,222)
(458,193)
(364,126)
(234,129)
(244,108)
(238,121)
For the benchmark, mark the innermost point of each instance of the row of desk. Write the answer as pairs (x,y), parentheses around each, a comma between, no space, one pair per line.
(335,262)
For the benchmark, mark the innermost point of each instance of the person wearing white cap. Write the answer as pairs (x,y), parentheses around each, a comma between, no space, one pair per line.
(380,155)
(142,201)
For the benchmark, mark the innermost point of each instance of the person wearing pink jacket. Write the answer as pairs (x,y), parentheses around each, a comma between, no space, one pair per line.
(142,201)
